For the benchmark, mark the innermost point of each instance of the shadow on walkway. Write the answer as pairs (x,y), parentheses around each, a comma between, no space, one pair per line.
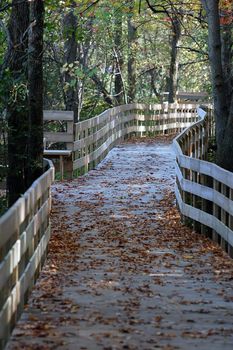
(122,272)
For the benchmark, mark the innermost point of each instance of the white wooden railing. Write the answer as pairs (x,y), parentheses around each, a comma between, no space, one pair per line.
(64,138)
(66,120)
(24,236)
(90,140)
(204,191)
(95,137)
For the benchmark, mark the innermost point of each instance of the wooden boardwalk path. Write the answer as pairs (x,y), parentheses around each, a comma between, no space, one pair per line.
(122,272)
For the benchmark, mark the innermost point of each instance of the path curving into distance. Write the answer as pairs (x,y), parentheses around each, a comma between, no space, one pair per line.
(122,272)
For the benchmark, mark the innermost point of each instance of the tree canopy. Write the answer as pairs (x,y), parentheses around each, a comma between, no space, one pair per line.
(87,56)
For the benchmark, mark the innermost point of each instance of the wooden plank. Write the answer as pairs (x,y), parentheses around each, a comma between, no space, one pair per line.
(21,245)
(204,218)
(57,152)
(10,262)
(84,142)
(89,123)
(87,141)
(206,193)
(18,293)
(207,168)
(78,163)
(58,137)
(14,217)
(201,113)
(102,132)
(113,112)
(9,225)
(58,115)
(142,128)
(192,95)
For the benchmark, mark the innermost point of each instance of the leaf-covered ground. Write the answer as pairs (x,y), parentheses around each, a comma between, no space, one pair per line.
(122,271)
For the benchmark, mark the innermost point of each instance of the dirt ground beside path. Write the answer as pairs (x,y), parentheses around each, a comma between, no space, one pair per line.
(122,271)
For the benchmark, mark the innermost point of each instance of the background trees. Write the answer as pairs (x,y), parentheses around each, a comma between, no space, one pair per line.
(122,55)
(97,54)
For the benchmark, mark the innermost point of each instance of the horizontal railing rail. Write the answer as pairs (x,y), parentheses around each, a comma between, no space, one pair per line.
(58,145)
(204,191)
(66,121)
(24,236)
(95,137)
(90,140)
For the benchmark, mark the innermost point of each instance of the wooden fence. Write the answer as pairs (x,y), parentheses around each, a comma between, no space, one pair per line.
(90,140)
(204,191)
(66,121)
(62,139)
(94,138)
(24,236)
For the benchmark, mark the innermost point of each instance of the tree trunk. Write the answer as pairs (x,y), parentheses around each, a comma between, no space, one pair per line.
(154,75)
(227,54)
(173,70)
(70,56)
(101,88)
(222,90)
(17,114)
(132,36)
(119,86)
(35,88)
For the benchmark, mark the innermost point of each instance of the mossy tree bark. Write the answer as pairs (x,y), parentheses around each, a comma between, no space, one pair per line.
(132,37)
(17,114)
(173,69)
(35,89)
(220,56)
(119,84)
(25,103)
(70,56)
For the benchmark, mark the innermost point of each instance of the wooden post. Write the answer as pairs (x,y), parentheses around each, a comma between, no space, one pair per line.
(61,166)
(223,218)
(230,247)
(215,212)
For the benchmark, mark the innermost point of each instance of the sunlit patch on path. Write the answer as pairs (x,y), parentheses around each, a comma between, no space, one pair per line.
(122,272)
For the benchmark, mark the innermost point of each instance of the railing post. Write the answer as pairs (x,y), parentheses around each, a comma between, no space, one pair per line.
(196,225)
(223,217)
(230,247)
(215,212)
(185,195)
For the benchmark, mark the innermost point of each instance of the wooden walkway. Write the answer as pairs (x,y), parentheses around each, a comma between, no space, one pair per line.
(122,272)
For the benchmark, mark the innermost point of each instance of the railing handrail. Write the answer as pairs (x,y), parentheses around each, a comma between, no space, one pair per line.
(24,236)
(177,138)
(204,191)
(67,117)
(94,137)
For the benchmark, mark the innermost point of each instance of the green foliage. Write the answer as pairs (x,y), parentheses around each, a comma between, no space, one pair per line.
(95,35)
